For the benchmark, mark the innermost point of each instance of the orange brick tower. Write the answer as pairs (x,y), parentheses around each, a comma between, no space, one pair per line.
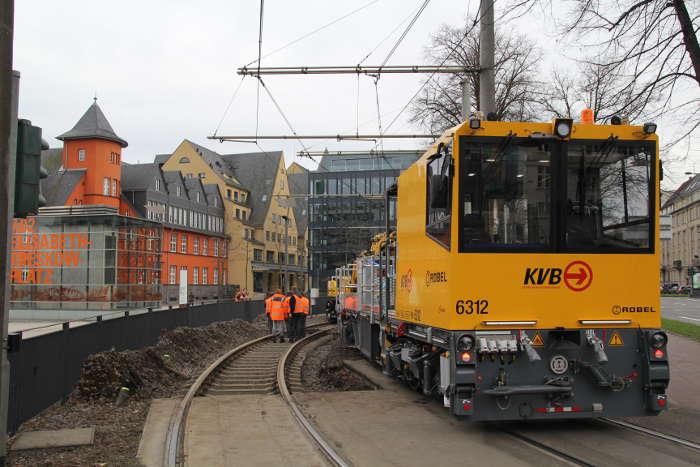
(93,146)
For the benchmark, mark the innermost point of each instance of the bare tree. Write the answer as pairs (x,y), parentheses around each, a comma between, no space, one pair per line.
(439,105)
(647,49)
(593,86)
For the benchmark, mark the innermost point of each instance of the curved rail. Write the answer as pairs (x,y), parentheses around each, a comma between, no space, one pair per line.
(173,437)
(648,431)
(322,444)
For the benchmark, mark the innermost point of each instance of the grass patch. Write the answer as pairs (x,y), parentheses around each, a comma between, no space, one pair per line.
(682,328)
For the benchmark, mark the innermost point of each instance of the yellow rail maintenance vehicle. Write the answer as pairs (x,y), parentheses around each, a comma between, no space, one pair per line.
(523,279)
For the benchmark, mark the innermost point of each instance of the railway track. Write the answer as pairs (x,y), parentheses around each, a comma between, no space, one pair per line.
(260,366)
(567,456)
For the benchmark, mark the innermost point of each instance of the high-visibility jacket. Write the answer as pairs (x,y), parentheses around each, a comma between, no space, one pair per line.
(268,304)
(279,307)
(351,303)
(302,305)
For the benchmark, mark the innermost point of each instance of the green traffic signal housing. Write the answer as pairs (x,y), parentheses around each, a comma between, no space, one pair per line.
(28,169)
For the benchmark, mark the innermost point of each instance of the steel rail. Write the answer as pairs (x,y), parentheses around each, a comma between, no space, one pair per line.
(173,437)
(650,432)
(174,434)
(550,451)
(318,439)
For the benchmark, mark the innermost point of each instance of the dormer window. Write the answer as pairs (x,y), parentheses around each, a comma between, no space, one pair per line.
(184,160)
(81,155)
(179,190)
(216,202)
(157,184)
(264,198)
(198,199)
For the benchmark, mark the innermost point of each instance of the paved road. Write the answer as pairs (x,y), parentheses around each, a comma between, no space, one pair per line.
(681,309)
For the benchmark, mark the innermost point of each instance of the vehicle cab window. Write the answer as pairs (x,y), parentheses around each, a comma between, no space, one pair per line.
(439,195)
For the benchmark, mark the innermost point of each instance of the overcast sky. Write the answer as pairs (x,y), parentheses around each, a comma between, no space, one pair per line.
(165,70)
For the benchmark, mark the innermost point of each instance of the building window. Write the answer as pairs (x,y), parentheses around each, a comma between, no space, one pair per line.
(216,277)
(202,175)
(257,254)
(267,235)
(196,246)
(235,196)
(81,155)
(195,275)
(205,246)
(228,193)
(157,184)
(244,215)
(223,276)
(238,213)
(183,244)
(198,197)
(216,202)
(114,187)
(184,268)
(184,160)
(270,256)
(205,272)
(105,186)
(216,247)
(173,242)
(173,275)
(179,191)
(280,258)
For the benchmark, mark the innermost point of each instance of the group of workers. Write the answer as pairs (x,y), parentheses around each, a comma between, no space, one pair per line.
(286,314)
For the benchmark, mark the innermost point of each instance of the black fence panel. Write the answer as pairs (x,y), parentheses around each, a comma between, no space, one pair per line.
(46,367)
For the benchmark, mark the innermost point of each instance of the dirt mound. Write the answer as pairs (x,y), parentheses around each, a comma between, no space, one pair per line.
(324,369)
(159,371)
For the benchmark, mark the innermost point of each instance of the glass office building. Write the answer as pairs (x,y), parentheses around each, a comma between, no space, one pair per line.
(346,206)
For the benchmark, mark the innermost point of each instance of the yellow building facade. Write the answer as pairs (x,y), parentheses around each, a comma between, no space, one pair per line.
(260,217)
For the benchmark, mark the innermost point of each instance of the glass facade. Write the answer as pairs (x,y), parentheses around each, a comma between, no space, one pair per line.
(85,262)
(346,207)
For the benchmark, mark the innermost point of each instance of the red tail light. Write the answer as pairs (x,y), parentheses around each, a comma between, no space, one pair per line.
(658,353)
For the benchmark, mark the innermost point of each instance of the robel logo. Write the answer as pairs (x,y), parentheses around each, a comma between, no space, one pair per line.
(407,280)
(617,309)
(435,277)
(577,276)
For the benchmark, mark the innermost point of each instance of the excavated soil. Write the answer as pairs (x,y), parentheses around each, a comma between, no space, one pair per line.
(159,371)
(323,369)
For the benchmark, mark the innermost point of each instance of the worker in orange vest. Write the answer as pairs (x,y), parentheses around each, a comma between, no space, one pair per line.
(296,314)
(303,309)
(268,306)
(279,310)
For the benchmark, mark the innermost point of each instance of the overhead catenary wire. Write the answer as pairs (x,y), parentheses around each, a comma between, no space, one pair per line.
(319,29)
(479,15)
(257,99)
(228,106)
(405,33)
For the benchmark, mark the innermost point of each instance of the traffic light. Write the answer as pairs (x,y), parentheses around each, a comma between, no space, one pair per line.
(28,169)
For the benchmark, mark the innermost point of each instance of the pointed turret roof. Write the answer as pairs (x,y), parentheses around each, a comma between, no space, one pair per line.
(93,124)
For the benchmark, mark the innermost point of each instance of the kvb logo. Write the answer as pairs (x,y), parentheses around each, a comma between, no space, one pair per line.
(577,276)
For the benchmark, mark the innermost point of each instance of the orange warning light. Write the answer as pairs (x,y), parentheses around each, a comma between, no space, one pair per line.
(587,116)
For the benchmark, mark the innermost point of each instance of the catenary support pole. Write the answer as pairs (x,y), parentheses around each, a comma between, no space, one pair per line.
(9,85)
(466,101)
(487,83)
